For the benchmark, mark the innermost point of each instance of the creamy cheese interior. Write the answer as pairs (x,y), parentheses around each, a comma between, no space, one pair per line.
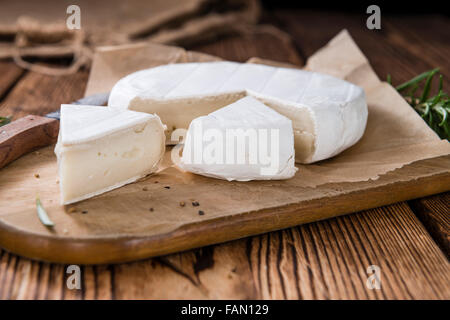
(169,111)
(101,163)
(302,125)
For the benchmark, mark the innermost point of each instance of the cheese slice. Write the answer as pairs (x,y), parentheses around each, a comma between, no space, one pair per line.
(100,149)
(243,141)
(328,114)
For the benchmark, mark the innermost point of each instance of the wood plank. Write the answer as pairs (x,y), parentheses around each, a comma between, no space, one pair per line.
(261,44)
(434,213)
(323,260)
(7,273)
(40,94)
(390,50)
(431,38)
(10,75)
(416,38)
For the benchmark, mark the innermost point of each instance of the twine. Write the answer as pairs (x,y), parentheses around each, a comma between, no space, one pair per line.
(30,31)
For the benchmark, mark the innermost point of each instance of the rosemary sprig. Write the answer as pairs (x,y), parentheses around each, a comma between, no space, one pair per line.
(4,120)
(433,109)
(42,214)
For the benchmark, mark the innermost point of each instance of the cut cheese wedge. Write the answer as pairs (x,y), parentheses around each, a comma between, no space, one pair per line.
(243,141)
(100,149)
(328,114)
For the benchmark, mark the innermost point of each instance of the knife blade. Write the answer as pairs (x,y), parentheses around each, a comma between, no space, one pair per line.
(99,99)
(32,132)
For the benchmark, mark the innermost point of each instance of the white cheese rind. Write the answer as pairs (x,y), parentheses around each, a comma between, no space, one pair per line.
(266,132)
(100,149)
(336,109)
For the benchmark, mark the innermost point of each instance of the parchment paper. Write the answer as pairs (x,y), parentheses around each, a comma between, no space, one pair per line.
(395,135)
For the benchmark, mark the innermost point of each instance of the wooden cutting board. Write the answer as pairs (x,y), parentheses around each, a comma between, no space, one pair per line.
(173,211)
(147,218)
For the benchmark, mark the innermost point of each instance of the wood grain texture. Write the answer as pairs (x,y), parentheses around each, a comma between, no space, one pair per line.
(410,33)
(25,135)
(300,262)
(261,45)
(39,94)
(322,260)
(397,49)
(10,75)
(434,213)
(102,235)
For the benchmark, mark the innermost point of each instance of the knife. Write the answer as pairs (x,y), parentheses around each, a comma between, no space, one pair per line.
(33,132)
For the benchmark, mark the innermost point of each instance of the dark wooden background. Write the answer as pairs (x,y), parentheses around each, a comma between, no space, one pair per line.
(409,241)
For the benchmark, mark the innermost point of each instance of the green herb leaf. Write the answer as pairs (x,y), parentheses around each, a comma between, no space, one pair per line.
(417,79)
(42,214)
(433,110)
(4,120)
(426,89)
(389,79)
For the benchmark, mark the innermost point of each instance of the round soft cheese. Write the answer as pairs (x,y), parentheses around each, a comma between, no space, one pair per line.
(328,114)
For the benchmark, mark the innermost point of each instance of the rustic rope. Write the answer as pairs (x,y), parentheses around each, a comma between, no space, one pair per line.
(30,31)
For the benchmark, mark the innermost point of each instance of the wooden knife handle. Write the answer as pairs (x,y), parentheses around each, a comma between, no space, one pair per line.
(25,135)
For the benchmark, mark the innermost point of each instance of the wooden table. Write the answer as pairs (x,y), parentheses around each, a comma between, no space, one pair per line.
(409,241)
